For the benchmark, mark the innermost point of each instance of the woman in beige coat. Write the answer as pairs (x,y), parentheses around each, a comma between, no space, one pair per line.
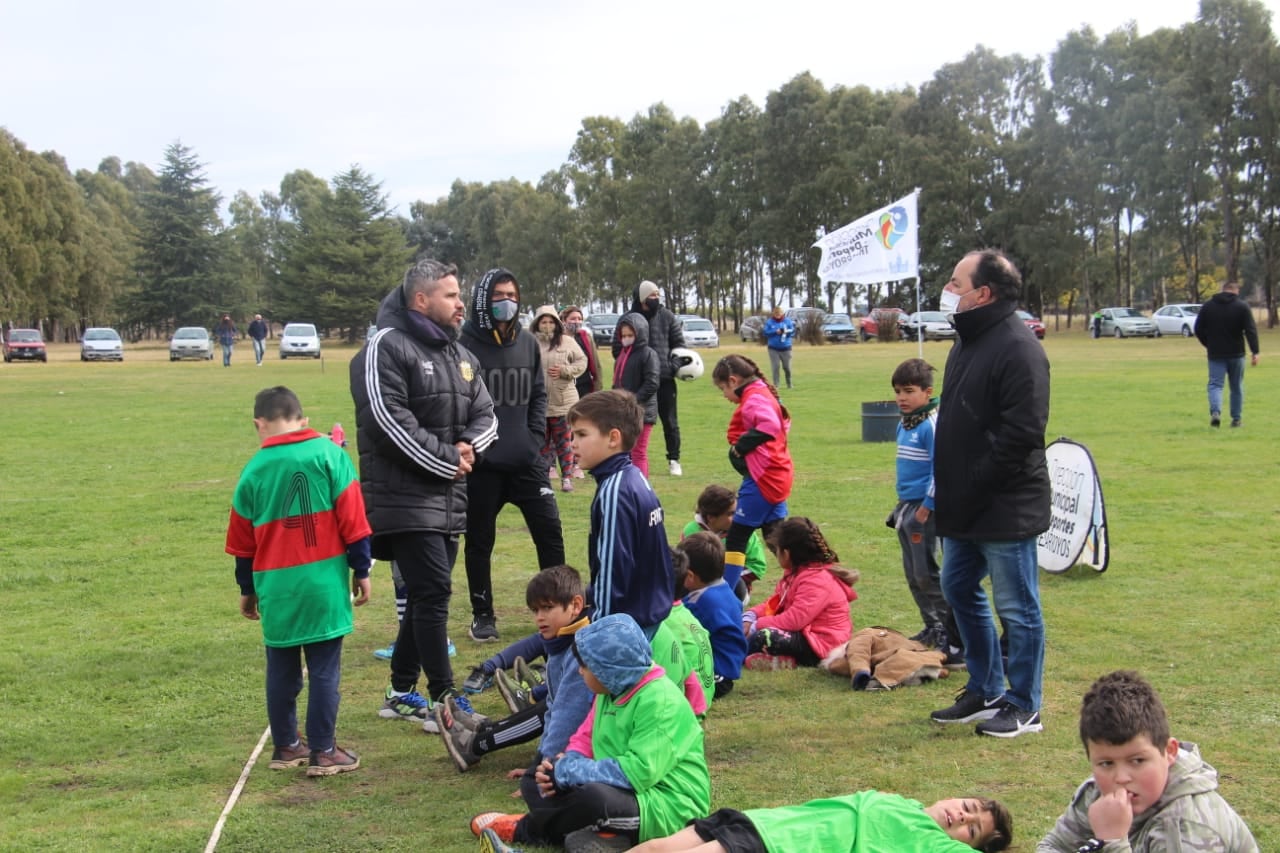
(562,363)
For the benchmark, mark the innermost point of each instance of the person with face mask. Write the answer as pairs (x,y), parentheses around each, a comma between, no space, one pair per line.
(562,364)
(576,328)
(992,493)
(665,333)
(512,471)
(636,369)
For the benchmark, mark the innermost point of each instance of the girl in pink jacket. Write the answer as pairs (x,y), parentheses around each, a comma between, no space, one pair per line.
(807,617)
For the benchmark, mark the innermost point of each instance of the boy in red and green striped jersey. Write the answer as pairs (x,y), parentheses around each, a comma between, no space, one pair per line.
(297,525)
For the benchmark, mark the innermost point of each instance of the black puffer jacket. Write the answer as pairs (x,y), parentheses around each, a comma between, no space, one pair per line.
(640,373)
(666,332)
(989,473)
(417,392)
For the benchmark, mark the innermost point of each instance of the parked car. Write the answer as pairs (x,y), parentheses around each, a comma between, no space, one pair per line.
(602,326)
(101,345)
(1177,319)
(1128,323)
(1033,323)
(838,329)
(299,339)
(934,324)
(190,342)
(869,326)
(25,345)
(752,328)
(700,332)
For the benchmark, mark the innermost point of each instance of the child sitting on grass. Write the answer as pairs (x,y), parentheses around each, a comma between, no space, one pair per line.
(714,513)
(297,527)
(695,642)
(807,617)
(634,771)
(1148,793)
(866,821)
(716,607)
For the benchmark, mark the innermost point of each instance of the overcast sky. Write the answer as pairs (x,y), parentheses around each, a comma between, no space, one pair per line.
(423,93)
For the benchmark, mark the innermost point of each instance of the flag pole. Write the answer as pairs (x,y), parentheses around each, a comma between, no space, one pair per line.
(919,307)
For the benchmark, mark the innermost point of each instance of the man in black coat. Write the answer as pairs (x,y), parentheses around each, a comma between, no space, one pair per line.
(1223,325)
(666,332)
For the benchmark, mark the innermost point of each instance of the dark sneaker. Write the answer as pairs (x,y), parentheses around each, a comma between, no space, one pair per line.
(1235,422)
(491,843)
(499,823)
(1011,722)
(457,737)
(484,629)
(336,760)
(1215,419)
(514,693)
(591,841)
(283,758)
(969,708)
(478,681)
(954,659)
(410,706)
(527,674)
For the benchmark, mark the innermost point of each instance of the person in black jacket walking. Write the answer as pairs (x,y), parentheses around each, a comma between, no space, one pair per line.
(1220,325)
(992,493)
(666,332)
(423,416)
(512,471)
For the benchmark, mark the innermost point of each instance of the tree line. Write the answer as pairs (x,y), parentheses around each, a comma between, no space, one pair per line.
(1124,169)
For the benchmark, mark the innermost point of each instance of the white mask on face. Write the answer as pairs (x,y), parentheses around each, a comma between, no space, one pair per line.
(948,303)
(626,340)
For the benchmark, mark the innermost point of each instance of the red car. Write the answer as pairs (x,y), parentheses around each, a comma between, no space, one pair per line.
(1033,323)
(26,344)
(869,326)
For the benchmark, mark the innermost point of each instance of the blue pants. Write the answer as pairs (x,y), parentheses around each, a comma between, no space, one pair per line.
(1015,587)
(284,683)
(259,349)
(1232,370)
(226,355)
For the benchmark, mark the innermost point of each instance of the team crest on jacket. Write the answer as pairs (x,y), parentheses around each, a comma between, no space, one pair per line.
(468,373)
(428,368)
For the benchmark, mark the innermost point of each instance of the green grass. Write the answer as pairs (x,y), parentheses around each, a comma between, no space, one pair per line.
(131,689)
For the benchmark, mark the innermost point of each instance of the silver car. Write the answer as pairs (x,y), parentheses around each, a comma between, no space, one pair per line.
(700,332)
(190,342)
(299,339)
(935,325)
(101,345)
(1177,319)
(1127,323)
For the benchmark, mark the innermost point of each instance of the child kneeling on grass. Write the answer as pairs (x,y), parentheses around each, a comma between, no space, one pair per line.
(634,771)
(807,617)
(865,822)
(297,527)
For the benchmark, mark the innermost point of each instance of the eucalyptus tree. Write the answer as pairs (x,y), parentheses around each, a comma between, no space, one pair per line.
(596,189)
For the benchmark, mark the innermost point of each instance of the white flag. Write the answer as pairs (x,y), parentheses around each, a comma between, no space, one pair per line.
(881,246)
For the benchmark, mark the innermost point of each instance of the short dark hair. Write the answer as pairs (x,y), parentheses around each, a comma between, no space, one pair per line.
(609,410)
(553,585)
(1120,706)
(715,500)
(706,555)
(1002,827)
(425,275)
(277,404)
(679,566)
(913,371)
(996,271)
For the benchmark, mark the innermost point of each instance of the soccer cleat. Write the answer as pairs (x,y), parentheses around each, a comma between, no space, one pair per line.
(566,484)
(285,757)
(491,843)
(336,760)
(526,673)
(484,629)
(765,662)
(514,693)
(410,706)
(969,707)
(591,841)
(499,823)
(478,681)
(457,737)
(674,469)
(385,654)
(1011,721)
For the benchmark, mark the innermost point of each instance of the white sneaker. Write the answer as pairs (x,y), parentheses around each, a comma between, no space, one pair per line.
(674,469)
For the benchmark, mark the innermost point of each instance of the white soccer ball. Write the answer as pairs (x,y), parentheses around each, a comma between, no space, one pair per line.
(687,363)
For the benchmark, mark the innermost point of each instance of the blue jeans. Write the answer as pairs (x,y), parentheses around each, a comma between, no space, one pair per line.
(226,355)
(1015,586)
(1232,370)
(284,683)
(259,349)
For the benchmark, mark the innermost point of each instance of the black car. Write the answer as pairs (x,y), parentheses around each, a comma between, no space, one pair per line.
(602,326)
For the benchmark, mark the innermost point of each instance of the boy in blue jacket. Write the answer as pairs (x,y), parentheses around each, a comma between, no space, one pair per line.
(714,603)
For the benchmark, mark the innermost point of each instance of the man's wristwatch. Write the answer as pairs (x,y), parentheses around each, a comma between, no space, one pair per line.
(1093,845)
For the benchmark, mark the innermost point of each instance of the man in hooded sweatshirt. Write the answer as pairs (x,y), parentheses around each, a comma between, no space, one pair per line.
(1223,326)
(666,332)
(511,472)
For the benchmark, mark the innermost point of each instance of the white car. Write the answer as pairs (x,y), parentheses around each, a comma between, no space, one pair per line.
(101,345)
(935,324)
(1177,319)
(299,339)
(700,332)
(190,342)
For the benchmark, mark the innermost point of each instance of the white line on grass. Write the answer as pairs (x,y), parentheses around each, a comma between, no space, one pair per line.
(235,792)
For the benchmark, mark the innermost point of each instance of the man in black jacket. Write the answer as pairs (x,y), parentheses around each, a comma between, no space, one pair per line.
(1220,325)
(992,493)
(666,332)
(511,472)
(423,416)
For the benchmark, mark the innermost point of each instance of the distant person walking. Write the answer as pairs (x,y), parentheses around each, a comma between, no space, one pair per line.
(779,330)
(226,333)
(1223,325)
(258,332)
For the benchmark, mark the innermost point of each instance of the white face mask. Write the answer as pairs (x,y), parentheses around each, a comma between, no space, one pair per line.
(626,341)
(949,303)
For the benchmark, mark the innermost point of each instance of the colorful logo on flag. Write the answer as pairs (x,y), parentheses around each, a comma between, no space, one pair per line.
(893,226)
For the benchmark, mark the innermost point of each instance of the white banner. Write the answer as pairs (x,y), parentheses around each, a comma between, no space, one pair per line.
(1078,528)
(881,246)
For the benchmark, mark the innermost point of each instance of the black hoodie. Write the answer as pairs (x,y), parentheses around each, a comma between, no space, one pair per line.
(1224,324)
(511,366)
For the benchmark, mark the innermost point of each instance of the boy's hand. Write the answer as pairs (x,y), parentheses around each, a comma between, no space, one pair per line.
(249,607)
(546,778)
(922,515)
(360,588)
(1111,815)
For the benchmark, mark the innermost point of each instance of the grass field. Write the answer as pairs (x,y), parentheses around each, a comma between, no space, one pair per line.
(131,689)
